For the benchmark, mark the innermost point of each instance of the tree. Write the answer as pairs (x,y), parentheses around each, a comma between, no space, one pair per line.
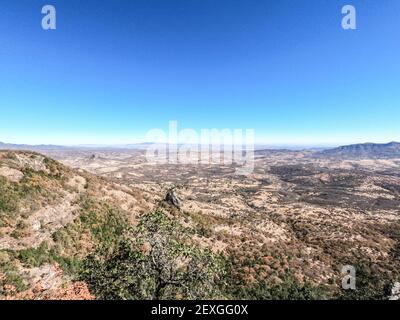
(156,261)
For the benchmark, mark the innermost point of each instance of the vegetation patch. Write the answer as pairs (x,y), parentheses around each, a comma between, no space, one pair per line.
(156,261)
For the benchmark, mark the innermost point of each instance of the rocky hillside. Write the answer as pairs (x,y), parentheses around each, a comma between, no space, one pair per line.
(51,217)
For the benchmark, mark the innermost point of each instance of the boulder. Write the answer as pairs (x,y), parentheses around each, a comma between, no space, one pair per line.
(172,199)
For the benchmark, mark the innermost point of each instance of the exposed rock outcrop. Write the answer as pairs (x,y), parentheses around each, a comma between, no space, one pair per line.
(172,198)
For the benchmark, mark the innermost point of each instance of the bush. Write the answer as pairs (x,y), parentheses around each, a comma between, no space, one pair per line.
(289,289)
(9,197)
(9,274)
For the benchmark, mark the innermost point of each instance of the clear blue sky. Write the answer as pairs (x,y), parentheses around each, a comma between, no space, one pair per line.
(114,69)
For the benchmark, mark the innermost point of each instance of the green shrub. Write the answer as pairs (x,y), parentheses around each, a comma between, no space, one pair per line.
(289,289)
(9,197)
(35,257)
(11,274)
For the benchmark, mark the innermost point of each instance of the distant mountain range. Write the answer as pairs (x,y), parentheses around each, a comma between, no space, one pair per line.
(365,150)
(51,147)
(43,147)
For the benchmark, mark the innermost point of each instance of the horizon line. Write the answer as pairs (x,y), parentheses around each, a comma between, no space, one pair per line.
(133,144)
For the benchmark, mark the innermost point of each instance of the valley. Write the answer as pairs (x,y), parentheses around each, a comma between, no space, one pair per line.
(283,232)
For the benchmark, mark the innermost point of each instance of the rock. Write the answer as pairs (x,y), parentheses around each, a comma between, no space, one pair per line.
(172,199)
(36,226)
(33,162)
(11,174)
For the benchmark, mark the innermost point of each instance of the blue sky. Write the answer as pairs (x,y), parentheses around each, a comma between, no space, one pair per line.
(115,69)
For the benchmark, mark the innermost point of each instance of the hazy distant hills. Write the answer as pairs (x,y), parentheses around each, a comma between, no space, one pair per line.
(365,150)
(11,146)
(51,147)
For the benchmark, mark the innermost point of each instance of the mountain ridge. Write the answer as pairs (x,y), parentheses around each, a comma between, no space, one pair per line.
(362,150)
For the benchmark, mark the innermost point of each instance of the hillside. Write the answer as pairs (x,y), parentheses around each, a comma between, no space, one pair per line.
(51,217)
(365,150)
